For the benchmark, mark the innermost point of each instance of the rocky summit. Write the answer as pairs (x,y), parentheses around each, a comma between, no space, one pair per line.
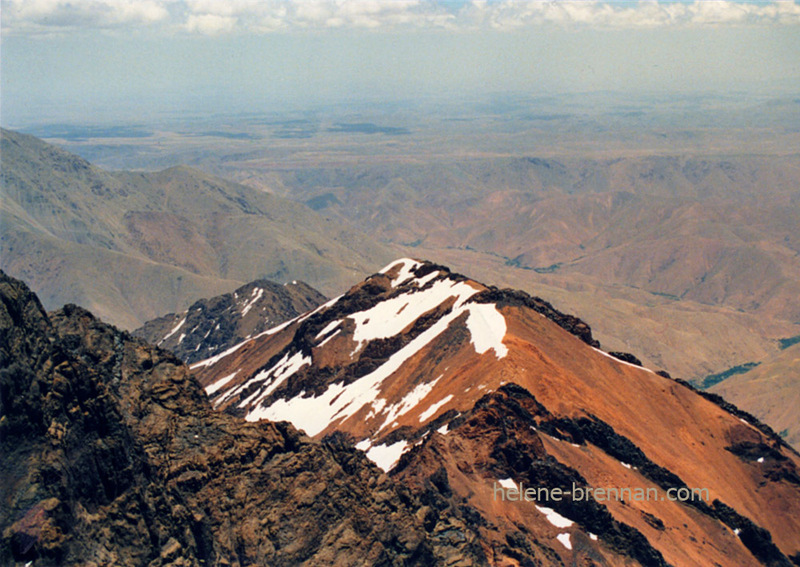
(213,325)
(112,455)
(503,413)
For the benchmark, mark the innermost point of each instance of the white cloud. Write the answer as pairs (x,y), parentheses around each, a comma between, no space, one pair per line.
(261,16)
(48,16)
(210,24)
(516,14)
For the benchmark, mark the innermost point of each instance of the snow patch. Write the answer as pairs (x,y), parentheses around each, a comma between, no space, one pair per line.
(564,539)
(507,483)
(592,536)
(327,304)
(314,414)
(286,367)
(626,465)
(328,328)
(554,517)
(487,326)
(173,331)
(215,386)
(406,268)
(364,445)
(443,429)
(430,277)
(255,296)
(761,459)
(323,343)
(388,318)
(410,400)
(433,409)
(386,456)
(615,359)
(217,357)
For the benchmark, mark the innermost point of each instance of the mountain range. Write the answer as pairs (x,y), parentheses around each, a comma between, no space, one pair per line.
(719,230)
(702,250)
(450,386)
(467,396)
(134,246)
(112,455)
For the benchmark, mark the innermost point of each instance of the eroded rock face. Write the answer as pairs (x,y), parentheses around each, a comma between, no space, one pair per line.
(111,455)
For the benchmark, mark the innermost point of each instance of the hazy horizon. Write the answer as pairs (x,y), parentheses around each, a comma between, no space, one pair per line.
(105,61)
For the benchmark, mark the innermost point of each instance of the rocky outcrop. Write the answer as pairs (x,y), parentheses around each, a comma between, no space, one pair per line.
(497,439)
(111,455)
(213,325)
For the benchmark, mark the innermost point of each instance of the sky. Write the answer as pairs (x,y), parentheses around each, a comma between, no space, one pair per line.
(85,60)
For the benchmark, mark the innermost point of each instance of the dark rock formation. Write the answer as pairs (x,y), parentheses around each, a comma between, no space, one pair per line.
(626,357)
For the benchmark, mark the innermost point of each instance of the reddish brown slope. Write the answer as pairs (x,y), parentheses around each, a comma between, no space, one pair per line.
(407,359)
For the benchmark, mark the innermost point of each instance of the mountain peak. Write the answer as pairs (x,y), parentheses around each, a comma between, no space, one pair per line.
(398,350)
(210,326)
(111,454)
(361,337)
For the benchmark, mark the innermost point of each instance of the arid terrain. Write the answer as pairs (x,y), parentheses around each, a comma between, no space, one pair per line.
(135,246)
(669,225)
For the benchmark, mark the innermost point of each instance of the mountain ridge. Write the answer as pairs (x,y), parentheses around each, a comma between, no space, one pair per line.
(567,427)
(214,324)
(403,359)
